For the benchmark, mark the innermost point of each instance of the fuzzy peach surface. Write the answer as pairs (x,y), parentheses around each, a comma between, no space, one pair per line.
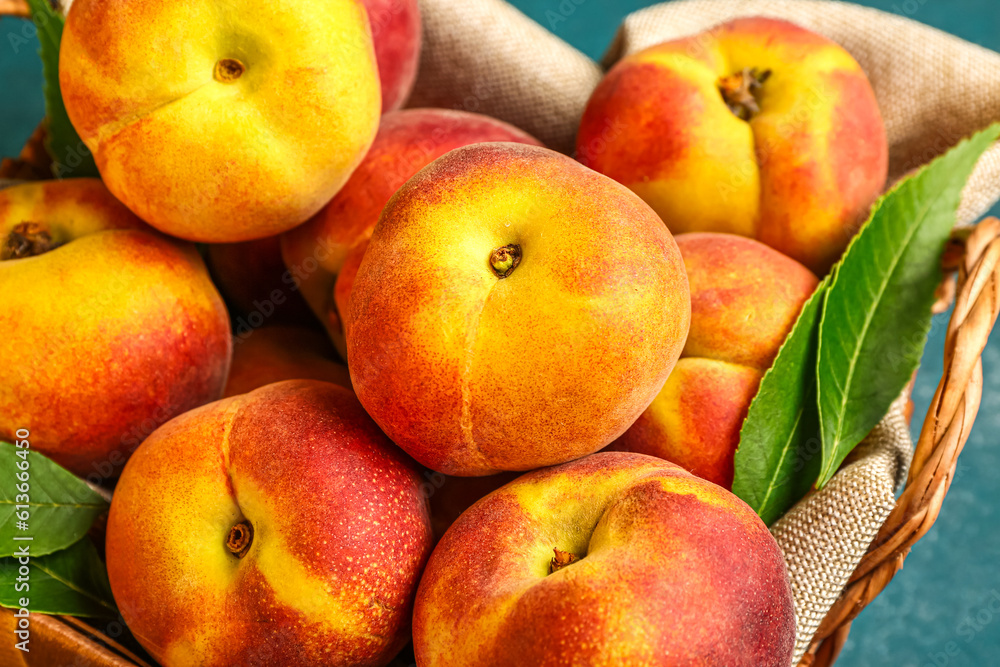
(407,141)
(672,570)
(471,373)
(799,176)
(137,335)
(199,152)
(396,35)
(275,353)
(340,534)
(252,277)
(745,298)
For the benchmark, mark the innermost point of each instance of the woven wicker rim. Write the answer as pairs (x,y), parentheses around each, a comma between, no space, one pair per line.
(975,256)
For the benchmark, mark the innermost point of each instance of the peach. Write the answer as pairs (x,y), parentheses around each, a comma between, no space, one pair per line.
(280,527)
(252,277)
(221,122)
(514,309)
(745,298)
(406,142)
(453,495)
(345,283)
(614,559)
(756,127)
(395,26)
(274,353)
(108,329)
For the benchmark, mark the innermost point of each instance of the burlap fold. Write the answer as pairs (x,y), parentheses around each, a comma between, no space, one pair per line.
(487,57)
(933,90)
(824,537)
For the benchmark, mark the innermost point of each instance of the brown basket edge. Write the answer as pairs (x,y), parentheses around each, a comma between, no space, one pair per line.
(33,163)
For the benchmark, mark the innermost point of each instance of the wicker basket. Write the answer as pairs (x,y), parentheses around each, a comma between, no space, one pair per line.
(973,254)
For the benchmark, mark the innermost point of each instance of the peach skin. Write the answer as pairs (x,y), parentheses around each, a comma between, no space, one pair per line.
(275,353)
(396,28)
(745,298)
(614,559)
(253,279)
(756,127)
(108,329)
(406,142)
(453,495)
(514,309)
(280,527)
(221,122)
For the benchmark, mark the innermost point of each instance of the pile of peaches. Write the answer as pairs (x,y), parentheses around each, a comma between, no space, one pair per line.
(527,458)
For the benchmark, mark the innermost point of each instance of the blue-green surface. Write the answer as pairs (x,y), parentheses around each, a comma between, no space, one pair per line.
(943,609)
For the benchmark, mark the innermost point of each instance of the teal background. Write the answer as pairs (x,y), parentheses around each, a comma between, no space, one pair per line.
(943,609)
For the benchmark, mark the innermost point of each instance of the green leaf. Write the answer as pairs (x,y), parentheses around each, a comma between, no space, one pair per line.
(60,506)
(71,156)
(878,310)
(778,457)
(73,581)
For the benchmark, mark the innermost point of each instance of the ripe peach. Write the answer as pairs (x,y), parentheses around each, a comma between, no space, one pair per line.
(280,527)
(745,297)
(108,329)
(221,122)
(614,559)
(395,26)
(275,353)
(514,309)
(453,495)
(252,277)
(406,142)
(756,127)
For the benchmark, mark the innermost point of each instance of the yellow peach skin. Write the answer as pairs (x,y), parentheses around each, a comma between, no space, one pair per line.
(793,153)
(107,329)
(745,297)
(665,569)
(513,310)
(407,141)
(279,527)
(221,122)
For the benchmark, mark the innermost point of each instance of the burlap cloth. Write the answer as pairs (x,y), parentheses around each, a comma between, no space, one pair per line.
(933,89)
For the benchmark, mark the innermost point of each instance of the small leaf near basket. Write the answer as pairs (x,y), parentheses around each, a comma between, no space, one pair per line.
(40,499)
(73,582)
(779,453)
(69,154)
(877,311)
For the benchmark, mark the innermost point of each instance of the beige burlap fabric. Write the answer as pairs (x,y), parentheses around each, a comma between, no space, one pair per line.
(824,537)
(485,56)
(933,89)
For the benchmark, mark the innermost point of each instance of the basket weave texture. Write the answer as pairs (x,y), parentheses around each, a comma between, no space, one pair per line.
(843,544)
